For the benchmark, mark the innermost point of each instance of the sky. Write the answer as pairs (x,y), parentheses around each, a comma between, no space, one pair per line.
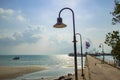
(26,26)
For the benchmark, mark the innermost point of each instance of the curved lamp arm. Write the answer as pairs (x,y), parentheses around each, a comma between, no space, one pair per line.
(60,24)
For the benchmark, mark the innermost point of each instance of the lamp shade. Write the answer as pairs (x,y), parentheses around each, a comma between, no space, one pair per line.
(59,23)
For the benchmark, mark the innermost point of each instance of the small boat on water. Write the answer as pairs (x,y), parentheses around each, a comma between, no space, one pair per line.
(16,58)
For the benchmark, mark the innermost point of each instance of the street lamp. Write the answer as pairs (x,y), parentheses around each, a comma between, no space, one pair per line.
(59,24)
(101,46)
(81,53)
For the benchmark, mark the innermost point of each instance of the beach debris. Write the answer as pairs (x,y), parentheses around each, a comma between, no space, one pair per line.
(95,64)
(61,78)
(68,77)
(42,78)
(69,74)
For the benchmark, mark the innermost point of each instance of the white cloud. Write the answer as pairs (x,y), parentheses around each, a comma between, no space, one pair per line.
(9,11)
(11,15)
(28,36)
(6,11)
(1,11)
(21,18)
(37,39)
(18,35)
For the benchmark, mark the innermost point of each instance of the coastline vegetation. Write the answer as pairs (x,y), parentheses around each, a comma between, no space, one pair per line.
(113,38)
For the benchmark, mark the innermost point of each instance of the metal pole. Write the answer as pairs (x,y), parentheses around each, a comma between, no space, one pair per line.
(102,51)
(74,38)
(81,53)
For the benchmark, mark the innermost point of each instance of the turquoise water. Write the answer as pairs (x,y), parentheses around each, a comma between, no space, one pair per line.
(58,65)
(41,60)
(26,60)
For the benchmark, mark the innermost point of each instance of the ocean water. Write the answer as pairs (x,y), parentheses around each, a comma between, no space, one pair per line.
(59,65)
(106,58)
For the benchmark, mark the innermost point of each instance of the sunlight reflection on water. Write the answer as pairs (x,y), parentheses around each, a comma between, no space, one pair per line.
(59,65)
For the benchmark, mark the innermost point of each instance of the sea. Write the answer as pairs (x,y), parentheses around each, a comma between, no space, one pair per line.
(59,65)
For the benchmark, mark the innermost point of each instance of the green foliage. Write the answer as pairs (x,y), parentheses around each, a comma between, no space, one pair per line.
(113,40)
(116,13)
(116,51)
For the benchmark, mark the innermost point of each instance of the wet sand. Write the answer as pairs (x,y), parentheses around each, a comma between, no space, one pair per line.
(13,72)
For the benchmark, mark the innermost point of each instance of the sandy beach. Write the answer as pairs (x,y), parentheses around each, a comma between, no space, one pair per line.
(13,72)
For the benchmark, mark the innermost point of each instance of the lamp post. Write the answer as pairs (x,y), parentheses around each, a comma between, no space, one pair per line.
(101,46)
(59,24)
(81,53)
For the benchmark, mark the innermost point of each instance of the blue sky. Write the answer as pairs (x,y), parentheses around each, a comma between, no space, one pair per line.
(26,26)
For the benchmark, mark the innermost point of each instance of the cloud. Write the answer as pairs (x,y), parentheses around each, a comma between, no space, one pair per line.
(37,40)
(11,15)
(6,11)
(30,35)
(21,18)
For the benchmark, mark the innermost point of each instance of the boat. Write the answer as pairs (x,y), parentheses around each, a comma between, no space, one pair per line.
(16,58)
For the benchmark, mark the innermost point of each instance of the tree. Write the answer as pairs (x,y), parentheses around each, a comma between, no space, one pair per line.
(113,40)
(116,13)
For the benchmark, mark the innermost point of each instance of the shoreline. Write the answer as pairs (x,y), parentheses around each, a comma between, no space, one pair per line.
(10,72)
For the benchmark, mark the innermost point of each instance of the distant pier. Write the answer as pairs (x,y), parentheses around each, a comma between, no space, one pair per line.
(95,54)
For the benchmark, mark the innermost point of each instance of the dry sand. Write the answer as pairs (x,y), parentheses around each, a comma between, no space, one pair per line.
(13,72)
